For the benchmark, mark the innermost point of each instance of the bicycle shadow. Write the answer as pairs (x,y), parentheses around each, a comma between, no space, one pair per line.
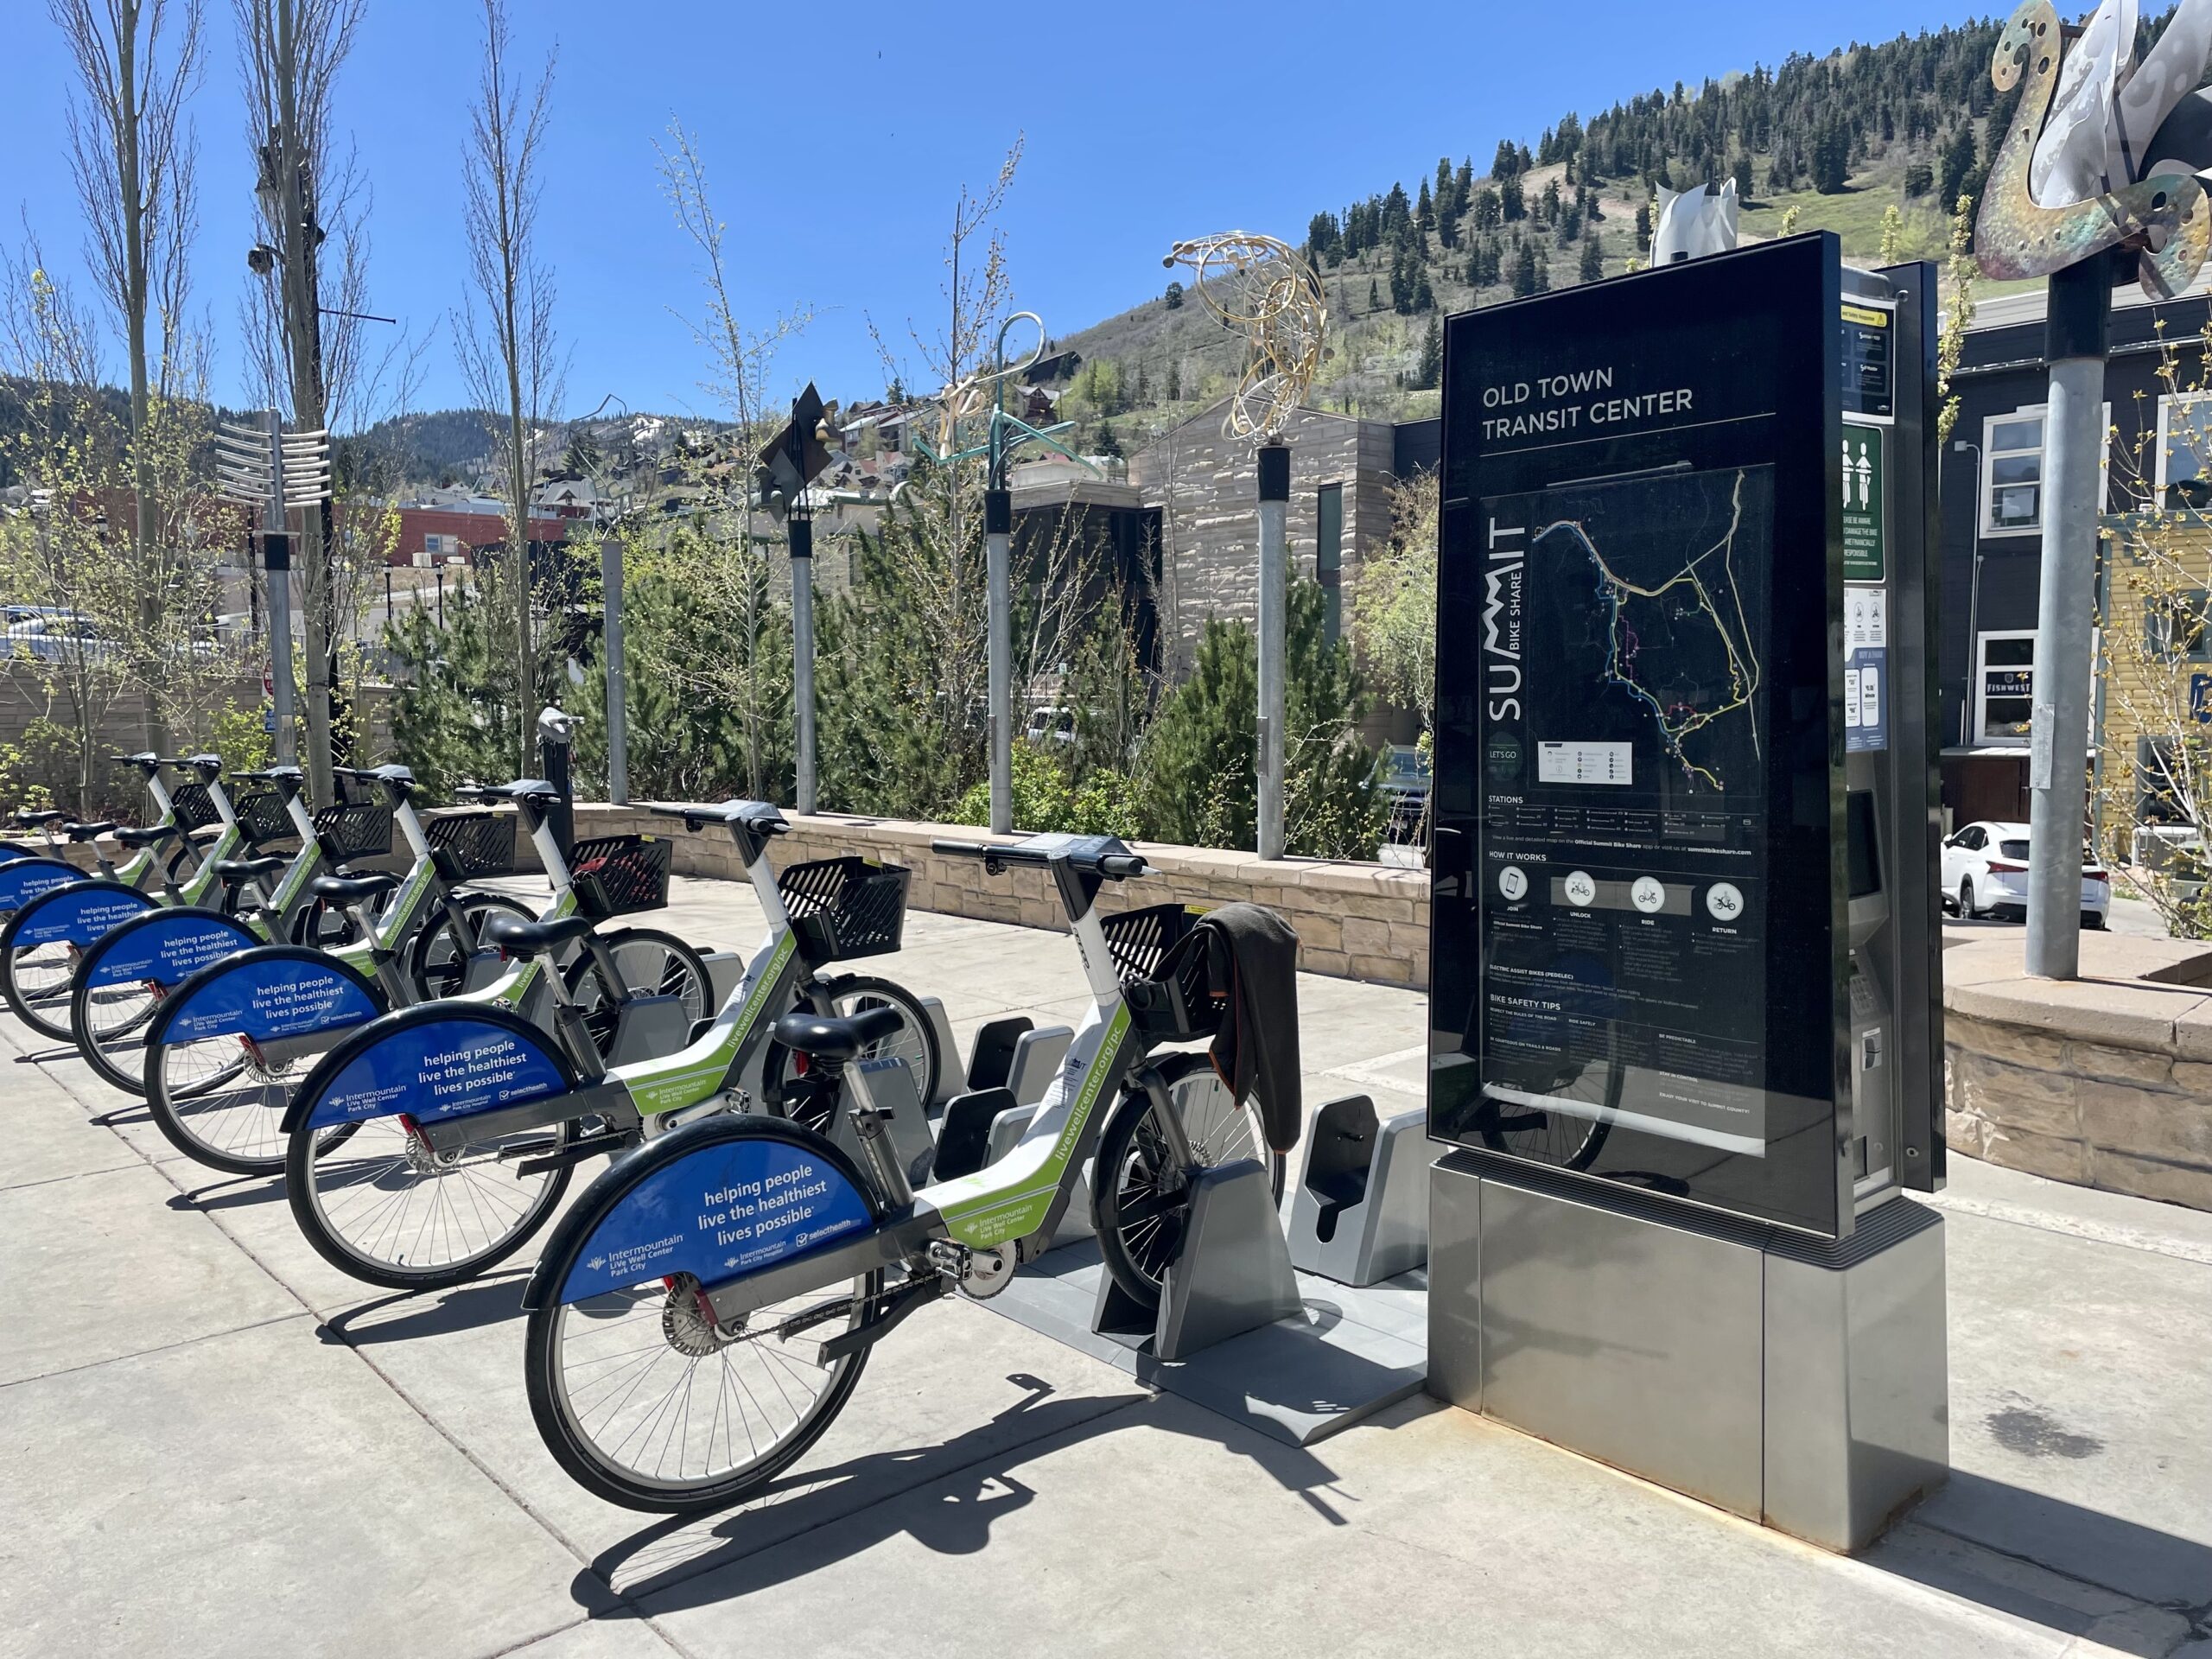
(968,1479)
(470,1306)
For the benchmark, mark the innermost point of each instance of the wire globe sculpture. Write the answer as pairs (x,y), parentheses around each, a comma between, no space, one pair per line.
(1264,290)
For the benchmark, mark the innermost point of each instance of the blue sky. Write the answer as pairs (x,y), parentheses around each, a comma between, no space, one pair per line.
(838,136)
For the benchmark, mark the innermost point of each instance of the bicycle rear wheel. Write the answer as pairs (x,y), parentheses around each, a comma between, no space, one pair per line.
(649,1402)
(1142,1193)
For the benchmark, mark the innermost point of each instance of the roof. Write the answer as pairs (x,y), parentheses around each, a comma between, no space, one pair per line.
(2030,305)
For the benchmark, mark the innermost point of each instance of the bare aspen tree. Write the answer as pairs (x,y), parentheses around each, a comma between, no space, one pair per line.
(725,574)
(131,157)
(508,351)
(290,51)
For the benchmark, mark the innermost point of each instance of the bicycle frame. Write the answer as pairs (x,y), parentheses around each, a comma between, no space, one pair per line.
(1019,1199)
(646,1096)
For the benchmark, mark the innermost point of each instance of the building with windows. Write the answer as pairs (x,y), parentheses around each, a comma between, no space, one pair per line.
(2159,413)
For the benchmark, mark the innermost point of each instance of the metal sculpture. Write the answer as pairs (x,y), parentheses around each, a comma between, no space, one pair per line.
(1263,290)
(2070,179)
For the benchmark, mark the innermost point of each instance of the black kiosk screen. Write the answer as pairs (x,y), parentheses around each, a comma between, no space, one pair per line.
(1625,831)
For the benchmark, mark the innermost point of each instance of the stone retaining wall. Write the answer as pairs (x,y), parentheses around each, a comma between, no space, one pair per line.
(2105,1081)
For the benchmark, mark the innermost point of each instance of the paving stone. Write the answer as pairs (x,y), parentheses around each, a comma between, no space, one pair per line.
(106,1265)
(258,1493)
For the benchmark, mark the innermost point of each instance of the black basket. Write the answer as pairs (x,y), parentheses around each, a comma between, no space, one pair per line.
(357,829)
(194,806)
(844,908)
(476,844)
(618,875)
(263,816)
(1182,1005)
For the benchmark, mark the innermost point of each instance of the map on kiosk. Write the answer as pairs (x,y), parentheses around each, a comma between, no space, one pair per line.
(1673,565)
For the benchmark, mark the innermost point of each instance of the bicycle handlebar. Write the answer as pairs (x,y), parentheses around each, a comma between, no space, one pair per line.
(1115,866)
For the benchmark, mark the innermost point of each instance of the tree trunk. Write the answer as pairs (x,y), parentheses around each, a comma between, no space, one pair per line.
(146,523)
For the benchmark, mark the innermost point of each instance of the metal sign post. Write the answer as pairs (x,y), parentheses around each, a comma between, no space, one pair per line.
(801,527)
(275,471)
(998,563)
(1274,576)
(618,673)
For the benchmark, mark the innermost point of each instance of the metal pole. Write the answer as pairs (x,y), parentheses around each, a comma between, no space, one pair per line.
(801,526)
(2073,444)
(618,670)
(1274,509)
(998,561)
(277,560)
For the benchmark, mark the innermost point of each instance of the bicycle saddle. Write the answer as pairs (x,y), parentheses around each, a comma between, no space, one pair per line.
(837,1037)
(150,835)
(244,869)
(24,816)
(348,889)
(518,938)
(93,831)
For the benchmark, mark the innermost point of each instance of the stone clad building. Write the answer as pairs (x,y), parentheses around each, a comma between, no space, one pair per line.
(1204,488)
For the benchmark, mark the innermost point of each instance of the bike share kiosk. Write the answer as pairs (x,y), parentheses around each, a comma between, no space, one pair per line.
(1686,1044)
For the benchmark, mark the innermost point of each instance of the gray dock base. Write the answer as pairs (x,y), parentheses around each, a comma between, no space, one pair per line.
(1345,1355)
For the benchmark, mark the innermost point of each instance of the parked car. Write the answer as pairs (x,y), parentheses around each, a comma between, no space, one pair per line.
(1050,727)
(1403,776)
(54,635)
(1985,873)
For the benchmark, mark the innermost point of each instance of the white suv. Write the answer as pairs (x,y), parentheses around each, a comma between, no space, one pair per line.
(1985,873)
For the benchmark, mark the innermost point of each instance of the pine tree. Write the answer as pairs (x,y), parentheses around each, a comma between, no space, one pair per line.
(1593,261)
(1431,357)
(1643,227)
(1524,271)
(1424,296)
(1174,296)
(1374,297)
(1174,379)
(1957,163)
(1107,443)
(1508,199)
(1424,210)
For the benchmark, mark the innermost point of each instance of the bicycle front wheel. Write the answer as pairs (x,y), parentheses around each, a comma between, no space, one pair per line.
(652,963)
(914,1042)
(649,1401)
(1143,1191)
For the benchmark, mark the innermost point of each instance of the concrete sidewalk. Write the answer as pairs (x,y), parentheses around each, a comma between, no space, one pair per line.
(212,1444)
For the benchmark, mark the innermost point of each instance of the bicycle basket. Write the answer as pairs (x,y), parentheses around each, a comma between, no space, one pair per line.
(616,875)
(843,908)
(476,844)
(263,816)
(195,808)
(1175,1008)
(357,830)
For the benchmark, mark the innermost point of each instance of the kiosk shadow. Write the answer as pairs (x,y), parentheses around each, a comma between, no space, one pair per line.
(2006,1528)
(825,1516)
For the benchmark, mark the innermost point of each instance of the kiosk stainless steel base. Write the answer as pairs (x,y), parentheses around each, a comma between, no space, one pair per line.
(1798,1383)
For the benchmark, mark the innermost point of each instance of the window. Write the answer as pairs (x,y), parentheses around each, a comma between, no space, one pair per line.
(2011,457)
(1329,558)
(2004,687)
(2011,471)
(2184,461)
(2174,626)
